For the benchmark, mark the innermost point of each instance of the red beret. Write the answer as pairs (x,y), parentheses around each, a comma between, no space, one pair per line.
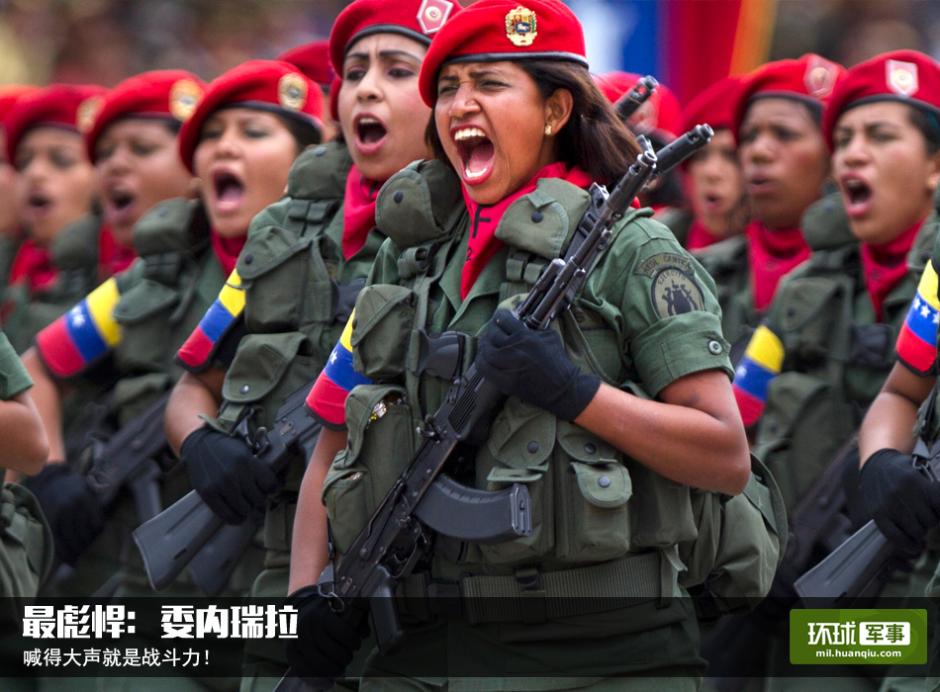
(810,79)
(416,19)
(313,59)
(906,76)
(491,30)
(660,115)
(714,105)
(165,94)
(9,95)
(268,85)
(68,106)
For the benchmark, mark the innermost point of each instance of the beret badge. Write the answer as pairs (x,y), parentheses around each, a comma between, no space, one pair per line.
(901,77)
(292,91)
(521,26)
(433,14)
(87,112)
(184,97)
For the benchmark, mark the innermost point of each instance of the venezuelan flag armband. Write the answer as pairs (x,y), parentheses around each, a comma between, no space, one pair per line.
(761,363)
(327,398)
(917,343)
(197,351)
(83,335)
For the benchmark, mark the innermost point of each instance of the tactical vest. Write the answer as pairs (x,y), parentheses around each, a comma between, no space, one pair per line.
(836,359)
(26,552)
(299,289)
(75,255)
(162,298)
(590,503)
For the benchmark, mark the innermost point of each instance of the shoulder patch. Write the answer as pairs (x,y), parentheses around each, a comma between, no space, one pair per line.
(674,289)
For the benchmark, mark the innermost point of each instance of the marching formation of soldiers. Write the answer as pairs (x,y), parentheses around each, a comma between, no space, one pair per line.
(362,321)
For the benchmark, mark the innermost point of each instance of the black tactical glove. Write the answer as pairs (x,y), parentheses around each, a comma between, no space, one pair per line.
(228,477)
(326,641)
(532,365)
(904,503)
(71,508)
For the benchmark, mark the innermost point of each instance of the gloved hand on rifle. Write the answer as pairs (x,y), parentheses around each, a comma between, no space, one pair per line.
(532,365)
(904,503)
(232,481)
(71,508)
(326,641)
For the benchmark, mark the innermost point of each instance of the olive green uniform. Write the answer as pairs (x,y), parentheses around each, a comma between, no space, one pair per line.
(836,357)
(299,291)
(603,524)
(26,548)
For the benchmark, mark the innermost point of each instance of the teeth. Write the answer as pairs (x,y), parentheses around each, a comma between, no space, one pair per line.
(369,121)
(472,175)
(469,133)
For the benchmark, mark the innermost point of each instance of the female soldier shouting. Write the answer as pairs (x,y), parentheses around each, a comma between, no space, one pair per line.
(610,422)
(305,259)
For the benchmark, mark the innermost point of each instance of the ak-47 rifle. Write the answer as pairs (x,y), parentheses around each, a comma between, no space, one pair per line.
(189,533)
(630,103)
(855,568)
(128,459)
(395,538)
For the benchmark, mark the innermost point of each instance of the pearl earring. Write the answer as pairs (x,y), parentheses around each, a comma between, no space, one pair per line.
(548,129)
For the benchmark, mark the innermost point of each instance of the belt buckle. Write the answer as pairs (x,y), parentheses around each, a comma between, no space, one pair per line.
(533,606)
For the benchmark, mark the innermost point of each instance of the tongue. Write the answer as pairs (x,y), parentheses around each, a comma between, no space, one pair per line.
(480,157)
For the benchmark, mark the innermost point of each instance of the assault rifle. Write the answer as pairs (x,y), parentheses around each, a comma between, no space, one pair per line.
(189,533)
(858,564)
(630,103)
(395,538)
(127,459)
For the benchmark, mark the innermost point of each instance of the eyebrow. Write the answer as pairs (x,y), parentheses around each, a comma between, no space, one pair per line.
(390,54)
(476,74)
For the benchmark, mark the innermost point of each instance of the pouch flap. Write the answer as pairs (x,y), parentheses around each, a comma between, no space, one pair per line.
(603,485)
(584,446)
(320,172)
(804,300)
(259,364)
(366,404)
(143,300)
(502,476)
(416,204)
(268,247)
(522,435)
(555,206)
(175,225)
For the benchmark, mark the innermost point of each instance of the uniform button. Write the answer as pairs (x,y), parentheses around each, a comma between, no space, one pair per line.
(537,217)
(590,448)
(249,258)
(532,447)
(604,481)
(245,388)
(714,347)
(399,196)
(319,151)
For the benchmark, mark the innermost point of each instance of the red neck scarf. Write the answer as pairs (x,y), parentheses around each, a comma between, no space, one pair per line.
(483,243)
(227,250)
(33,266)
(699,237)
(772,254)
(885,265)
(358,211)
(112,256)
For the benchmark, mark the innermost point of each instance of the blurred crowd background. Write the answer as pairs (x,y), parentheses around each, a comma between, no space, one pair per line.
(104,41)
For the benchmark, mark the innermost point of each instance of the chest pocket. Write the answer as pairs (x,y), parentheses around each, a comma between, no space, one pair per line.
(145,313)
(288,284)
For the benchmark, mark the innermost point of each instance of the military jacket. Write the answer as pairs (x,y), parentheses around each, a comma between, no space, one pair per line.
(728,264)
(646,317)
(75,256)
(832,355)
